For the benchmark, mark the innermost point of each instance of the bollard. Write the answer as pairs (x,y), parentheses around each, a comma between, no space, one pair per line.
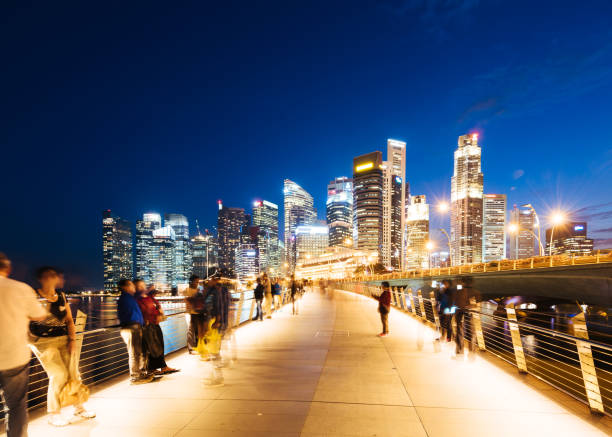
(589,375)
(421,305)
(519,354)
(477,325)
(412,308)
(434,309)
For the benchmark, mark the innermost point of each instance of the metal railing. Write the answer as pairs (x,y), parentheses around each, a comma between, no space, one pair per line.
(536,262)
(104,354)
(569,361)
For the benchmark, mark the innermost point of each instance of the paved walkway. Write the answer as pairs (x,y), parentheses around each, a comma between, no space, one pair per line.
(325,373)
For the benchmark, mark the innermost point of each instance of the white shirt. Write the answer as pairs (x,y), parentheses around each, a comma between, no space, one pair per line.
(17,305)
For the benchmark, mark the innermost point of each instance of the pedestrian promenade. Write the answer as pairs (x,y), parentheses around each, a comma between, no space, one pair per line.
(325,373)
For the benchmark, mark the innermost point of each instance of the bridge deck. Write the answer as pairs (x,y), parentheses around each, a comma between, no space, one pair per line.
(325,373)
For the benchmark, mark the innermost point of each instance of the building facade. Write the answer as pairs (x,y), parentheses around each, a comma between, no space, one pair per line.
(569,239)
(116,250)
(299,210)
(144,242)
(417,235)
(466,202)
(205,255)
(229,223)
(265,217)
(494,227)
(522,241)
(339,211)
(182,248)
(311,241)
(396,198)
(368,201)
(163,259)
(246,261)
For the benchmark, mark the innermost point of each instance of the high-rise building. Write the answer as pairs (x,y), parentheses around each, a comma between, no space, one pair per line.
(417,224)
(183,263)
(205,255)
(311,241)
(368,201)
(466,202)
(116,250)
(569,239)
(339,211)
(265,217)
(494,227)
(246,261)
(144,243)
(299,210)
(523,240)
(229,223)
(396,163)
(163,259)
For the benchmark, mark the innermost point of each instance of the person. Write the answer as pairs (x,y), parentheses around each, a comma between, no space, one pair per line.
(444,309)
(131,322)
(213,303)
(152,313)
(384,307)
(461,300)
(295,294)
(276,292)
(268,295)
(195,318)
(259,295)
(18,306)
(54,342)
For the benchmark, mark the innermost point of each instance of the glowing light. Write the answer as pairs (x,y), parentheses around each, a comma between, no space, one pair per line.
(513,228)
(364,167)
(558,218)
(474,137)
(257,203)
(429,245)
(443,206)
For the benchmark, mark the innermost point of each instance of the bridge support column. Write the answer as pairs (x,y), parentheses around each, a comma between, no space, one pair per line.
(477,325)
(434,309)
(422,305)
(519,354)
(589,375)
(411,296)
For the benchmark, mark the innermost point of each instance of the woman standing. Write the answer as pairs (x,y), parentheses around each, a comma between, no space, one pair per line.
(53,341)
(153,337)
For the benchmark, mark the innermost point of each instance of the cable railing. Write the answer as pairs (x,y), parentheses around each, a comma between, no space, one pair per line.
(104,355)
(569,361)
(536,262)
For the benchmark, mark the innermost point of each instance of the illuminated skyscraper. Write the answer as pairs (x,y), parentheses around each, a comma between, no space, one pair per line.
(265,217)
(494,227)
(163,259)
(116,250)
(368,201)
(569,239)
(246,261)
(417,224)
(205,254)
(144,243)
(396,183)
(339,212)
(182,248)
(229,224)
(522,241)
(466,202)
(311,241)
(299,210)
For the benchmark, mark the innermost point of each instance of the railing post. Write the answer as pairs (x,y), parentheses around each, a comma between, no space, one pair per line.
(421,305)
(597,259)
(519,354)
(393,297)
(587,365)
(403,295)
(239,310)
(573,259)
(252,309)
(532,263)
(477,325)
(514,265)
(412,307)
(434,309)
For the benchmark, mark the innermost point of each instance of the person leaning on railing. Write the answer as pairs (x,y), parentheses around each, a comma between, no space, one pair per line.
(18,306)
(53,341)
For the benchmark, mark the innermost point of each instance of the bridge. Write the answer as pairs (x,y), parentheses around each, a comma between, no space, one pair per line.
(325,372)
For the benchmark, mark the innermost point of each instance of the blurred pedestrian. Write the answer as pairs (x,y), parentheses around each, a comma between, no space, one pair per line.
(444,309)
(153,337)
(384,307)
(259,295)
(211,345)
(18,306)
(54,342)
(294,289)
(268,296)
(276,292)
(460,300)
(131,322)
(195,318)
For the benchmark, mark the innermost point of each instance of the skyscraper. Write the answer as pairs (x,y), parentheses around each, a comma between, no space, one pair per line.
(183,263)
(311,241)
(339,211)
(265,217)
(417,224)
(494,227)
(299,210)
(396,162)
(116,250)
(522,241)
(246,261)
(163,259)
(205,254)
(144,243)
(229,224)
(569,239)
(466,202)
(368,201)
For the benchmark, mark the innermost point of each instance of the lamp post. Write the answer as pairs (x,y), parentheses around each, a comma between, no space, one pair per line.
(514,228)
(429,246)
(443,208)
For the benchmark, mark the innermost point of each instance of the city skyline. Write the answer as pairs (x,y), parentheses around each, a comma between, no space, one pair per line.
(90,127)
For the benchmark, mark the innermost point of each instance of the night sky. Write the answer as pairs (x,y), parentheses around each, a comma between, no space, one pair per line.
(167,107)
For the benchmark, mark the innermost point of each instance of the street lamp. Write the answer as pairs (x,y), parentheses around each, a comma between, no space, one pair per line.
(450,255)
(443,207)
(429,246)
(514,228)
(556,219)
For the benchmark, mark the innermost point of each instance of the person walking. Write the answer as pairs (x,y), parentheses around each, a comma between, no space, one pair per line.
(259,295)
(460,300)
(152,314)
(384,307)
(444,310)
(54,342)
(268,296)
(214,313)
(131,322)
(196,319)
(276,292)
(18,307)
(294,289)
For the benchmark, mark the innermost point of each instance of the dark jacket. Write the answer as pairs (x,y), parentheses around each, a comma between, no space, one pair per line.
(128,310)
(444,299)
(384,301)
(259,292)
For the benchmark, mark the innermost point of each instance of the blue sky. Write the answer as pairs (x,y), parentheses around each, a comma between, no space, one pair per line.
(159,107)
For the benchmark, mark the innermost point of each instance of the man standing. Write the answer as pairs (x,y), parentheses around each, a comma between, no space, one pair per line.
(268,302)
(213,302)
(384,307)
(18,306)
(195,318)
(131,321)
